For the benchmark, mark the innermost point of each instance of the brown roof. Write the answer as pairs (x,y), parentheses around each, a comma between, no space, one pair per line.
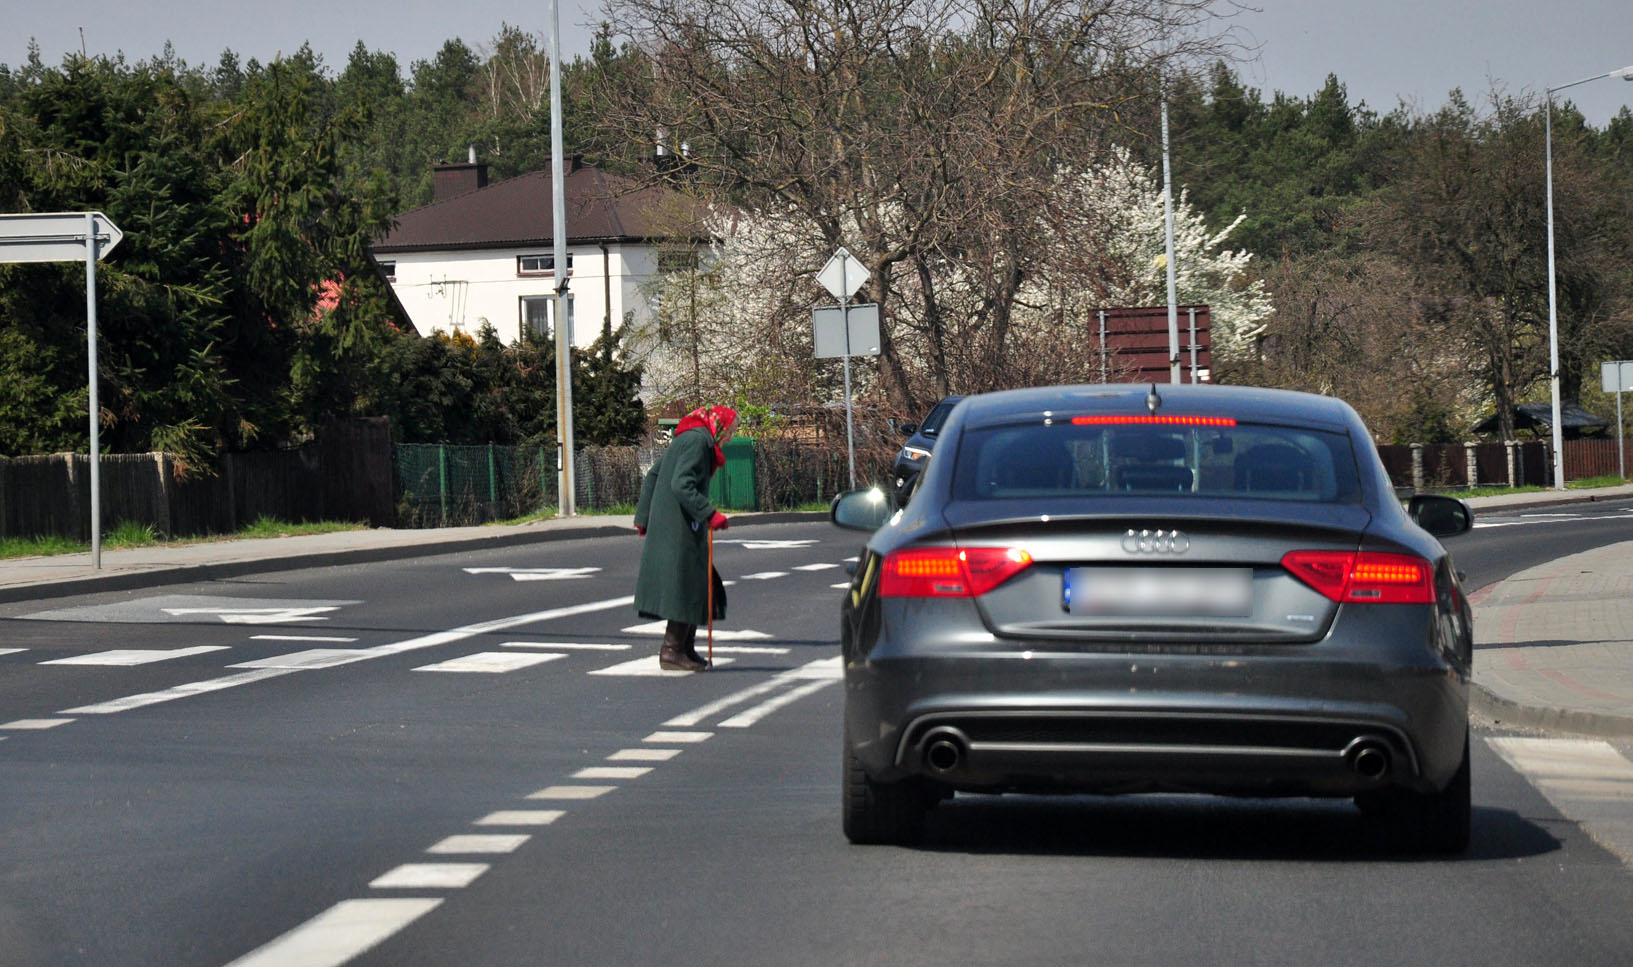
(601,207)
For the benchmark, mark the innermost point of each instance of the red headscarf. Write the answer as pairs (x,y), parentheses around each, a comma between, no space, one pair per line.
(716,419)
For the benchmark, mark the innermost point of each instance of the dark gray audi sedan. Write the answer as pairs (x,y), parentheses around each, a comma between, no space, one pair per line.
(1125,589)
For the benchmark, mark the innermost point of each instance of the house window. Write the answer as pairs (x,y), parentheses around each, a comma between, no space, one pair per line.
(540,264)
(389,270)
(538,312)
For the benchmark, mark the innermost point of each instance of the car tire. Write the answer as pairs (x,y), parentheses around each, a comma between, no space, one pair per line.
(1435,822)
(881,812)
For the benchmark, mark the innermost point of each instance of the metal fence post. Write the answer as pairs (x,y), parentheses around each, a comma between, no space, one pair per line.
(493,485)
(1417,467)
(442,479)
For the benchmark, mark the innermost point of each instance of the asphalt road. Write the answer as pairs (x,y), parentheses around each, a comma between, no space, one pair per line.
(171,808)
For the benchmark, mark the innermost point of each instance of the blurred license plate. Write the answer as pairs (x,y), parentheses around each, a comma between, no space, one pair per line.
(1216,592)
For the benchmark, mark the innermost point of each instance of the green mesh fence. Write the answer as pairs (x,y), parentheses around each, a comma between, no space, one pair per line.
(442,485)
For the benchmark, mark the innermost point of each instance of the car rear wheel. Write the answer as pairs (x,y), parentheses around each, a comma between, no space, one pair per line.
(881,812)
(1436,822)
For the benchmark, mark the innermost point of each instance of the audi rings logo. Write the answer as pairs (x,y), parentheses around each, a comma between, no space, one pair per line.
(1155,542)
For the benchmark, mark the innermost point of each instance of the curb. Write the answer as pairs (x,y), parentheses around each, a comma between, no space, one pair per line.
(1503,711)
(163,575)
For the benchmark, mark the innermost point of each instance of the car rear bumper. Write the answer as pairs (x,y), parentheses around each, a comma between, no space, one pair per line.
(1284,724)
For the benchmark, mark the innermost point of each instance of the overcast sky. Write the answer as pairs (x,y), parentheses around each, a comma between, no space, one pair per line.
(1384,51)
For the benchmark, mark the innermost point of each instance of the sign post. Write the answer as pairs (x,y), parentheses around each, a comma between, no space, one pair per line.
(68,237)
(1617,377)
(842,276)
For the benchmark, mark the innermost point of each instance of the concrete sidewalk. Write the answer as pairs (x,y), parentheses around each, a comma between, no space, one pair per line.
(1554,643)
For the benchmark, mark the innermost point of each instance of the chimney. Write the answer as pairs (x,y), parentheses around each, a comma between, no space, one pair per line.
(450,180)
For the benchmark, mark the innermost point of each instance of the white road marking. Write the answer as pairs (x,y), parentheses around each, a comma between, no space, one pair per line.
(35,724)
(813,567)
(255,616)
(480,843)
(643,755)
(753,544)
(11,651)
(500,624)
(521,817)
(679,737)
(339,933)
(571,792)
(126,657)
(763,575)
(180,691)
(612,772)
(424,876)
(823,668)
(311,658)
(720,704)
(845,585)
(564,646)
(657,628)
(492,662)
(748,717)
(1585,779)
(537,573)
(648,667)
(311,638)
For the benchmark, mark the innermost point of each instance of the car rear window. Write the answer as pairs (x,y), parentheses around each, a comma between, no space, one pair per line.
(1061,459)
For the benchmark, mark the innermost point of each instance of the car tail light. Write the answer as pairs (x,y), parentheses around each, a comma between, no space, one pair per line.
(949,572)
(1364,577)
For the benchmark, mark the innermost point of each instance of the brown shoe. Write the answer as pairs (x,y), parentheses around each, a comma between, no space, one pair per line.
(677,655)
(691,648)
(676,659)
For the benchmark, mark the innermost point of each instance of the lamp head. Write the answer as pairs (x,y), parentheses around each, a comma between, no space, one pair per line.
(1625,73)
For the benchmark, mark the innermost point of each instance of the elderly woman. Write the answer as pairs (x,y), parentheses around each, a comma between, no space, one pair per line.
(675,517)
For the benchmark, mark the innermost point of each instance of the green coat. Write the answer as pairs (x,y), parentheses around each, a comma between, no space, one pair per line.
(675,510)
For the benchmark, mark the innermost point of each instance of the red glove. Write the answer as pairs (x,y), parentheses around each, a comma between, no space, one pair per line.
(640,531)
(717,522)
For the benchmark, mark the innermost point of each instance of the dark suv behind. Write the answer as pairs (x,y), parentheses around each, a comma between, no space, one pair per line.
(921,438)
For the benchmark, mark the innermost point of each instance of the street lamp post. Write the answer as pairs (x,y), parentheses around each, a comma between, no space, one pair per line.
(1626,74)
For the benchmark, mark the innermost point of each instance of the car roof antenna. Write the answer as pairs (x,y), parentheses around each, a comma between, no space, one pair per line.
(1153,400)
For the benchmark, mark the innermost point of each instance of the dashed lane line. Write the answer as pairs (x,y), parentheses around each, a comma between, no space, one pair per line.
(612,772)
(34,724)
(571,792)
(643,755)
(429,876)
(521,817)
(471,843)
(11,651)
(340,933)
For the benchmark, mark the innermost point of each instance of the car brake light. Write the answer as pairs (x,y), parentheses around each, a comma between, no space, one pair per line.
(949,572)
(1364,577)
(1160,420)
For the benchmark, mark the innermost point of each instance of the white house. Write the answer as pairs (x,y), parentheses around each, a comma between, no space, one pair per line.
(482,254)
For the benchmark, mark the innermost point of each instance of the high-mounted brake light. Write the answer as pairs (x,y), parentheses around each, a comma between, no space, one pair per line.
(949,572)
(1364,577)
(1131,420)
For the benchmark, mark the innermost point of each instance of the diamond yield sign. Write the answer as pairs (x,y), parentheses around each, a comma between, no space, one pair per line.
(843,275)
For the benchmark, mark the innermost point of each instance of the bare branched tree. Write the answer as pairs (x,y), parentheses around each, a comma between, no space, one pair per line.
(926,136)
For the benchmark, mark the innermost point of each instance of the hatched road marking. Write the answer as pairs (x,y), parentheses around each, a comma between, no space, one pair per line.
(1585,779)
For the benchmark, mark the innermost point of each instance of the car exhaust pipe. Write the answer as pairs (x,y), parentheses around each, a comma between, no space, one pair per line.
(944,750)
(1368,758)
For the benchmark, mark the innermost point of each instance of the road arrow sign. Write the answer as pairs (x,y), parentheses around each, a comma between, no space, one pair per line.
(54,236)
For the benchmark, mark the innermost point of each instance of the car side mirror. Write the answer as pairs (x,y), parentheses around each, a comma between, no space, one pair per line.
(908,429)
(861,510)
(1440,515)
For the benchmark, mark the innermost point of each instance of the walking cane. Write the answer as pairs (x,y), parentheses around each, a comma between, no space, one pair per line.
(711,597)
